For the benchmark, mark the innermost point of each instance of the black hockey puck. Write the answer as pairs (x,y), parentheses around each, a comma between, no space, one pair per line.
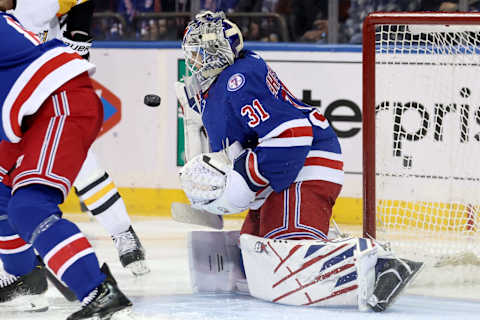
(152,100)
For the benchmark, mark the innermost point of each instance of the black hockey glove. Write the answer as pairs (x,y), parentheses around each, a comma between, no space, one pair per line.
(79,41)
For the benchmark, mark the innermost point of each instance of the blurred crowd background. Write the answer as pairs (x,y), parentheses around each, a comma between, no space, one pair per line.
(312,21)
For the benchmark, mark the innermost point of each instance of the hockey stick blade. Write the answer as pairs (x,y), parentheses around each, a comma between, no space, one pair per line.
(64,290)
(183,212)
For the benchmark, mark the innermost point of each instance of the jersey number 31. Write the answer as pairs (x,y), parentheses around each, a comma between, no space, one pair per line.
(255,113)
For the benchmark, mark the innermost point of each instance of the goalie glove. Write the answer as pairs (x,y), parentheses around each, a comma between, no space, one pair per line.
(211,184)
(79,41)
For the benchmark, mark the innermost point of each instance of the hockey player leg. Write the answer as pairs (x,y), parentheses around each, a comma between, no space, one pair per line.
(98,192)
(23,284)
(33,212)
(104,301)
(24,292)
(215,262)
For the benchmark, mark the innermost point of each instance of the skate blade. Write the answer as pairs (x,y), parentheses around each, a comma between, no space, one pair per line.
(124,314)
(138,268)
(27,303)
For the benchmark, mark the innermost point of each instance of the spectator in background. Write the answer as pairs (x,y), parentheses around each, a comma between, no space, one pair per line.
(439,5)
(213,5)
(195,6)
(106,28)
(152,28)
(163,29)
(105,5)
(474,5)
(318,33)
(351,31)
(310,19)
(285,8)
(130,9)
(263,28)
(250,27)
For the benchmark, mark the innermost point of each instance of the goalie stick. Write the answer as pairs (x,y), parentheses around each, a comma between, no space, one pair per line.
(183,212)
(196,142)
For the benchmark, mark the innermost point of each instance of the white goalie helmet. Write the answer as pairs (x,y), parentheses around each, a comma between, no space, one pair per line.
(210,44)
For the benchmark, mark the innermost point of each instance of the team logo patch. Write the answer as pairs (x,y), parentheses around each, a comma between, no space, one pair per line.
(235,82)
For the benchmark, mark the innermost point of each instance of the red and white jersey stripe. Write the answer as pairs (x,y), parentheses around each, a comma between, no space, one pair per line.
(42,77)
(252,170)
(292,133)
(13,244)
(44,172)
(322,165)
(3,173)
(66,253)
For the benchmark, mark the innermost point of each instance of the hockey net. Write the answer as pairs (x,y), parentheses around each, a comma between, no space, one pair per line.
(421,140)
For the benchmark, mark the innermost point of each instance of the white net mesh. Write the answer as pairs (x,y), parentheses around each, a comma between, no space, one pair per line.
(428,147)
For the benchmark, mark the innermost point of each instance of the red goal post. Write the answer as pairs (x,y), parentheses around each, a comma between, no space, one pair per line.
(421,136)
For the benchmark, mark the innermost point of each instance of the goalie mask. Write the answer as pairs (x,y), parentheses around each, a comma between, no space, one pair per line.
(210,44)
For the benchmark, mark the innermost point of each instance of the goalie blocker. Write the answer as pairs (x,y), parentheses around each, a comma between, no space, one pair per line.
(345,271)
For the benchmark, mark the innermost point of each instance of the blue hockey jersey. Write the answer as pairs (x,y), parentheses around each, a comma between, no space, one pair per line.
(30,71)
(286,140)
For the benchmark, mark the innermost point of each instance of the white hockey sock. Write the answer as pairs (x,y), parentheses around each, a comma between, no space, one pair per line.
(102,199)
(115,219)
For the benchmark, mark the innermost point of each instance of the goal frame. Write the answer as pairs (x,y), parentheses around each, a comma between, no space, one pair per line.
(368,91)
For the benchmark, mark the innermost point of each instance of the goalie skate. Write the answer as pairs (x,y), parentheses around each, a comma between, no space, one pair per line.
(24,293)
(393,276)
(131,252)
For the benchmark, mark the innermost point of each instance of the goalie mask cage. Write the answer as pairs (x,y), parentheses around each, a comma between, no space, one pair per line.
(421,139)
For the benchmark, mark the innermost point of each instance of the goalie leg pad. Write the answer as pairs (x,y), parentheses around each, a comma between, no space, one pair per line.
(308,272)
(215,262)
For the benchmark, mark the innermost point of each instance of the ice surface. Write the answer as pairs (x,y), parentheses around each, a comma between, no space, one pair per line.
(165,293)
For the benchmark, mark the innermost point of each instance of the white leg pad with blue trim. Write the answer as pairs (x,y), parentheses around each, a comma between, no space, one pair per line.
(309,272)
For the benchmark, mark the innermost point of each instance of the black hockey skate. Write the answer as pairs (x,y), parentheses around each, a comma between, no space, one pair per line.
(393,275)
(104,301)
(131,252)
(24,293)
